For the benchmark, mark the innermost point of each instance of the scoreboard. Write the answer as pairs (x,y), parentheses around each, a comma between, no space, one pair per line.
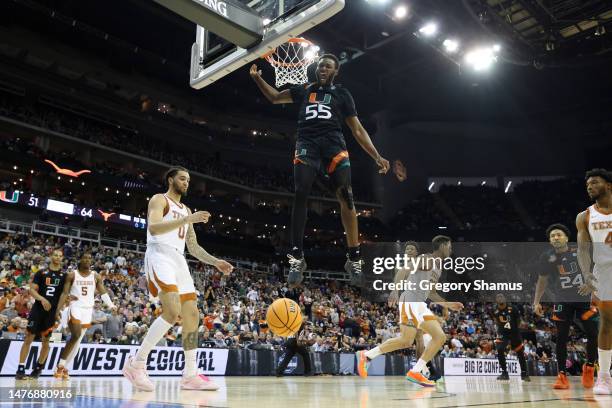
(63,207)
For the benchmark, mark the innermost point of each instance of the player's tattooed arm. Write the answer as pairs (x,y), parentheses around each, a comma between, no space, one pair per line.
(203,256)
(584,253)
(190,341)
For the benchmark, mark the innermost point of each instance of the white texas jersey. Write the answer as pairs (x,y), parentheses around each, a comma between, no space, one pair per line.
(174,238)
(600,230)
(83,288)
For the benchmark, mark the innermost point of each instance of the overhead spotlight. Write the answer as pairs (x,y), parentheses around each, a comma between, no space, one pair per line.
(431,186)
(429,29)
(310,54)
(451,45)
(401,12)
(496,48)
(481,59)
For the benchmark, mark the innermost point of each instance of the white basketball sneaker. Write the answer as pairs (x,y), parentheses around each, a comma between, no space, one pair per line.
(136,372)
(603,386)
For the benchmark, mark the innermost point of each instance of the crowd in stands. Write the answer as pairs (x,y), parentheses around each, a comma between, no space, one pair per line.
(233,307)
(210,163)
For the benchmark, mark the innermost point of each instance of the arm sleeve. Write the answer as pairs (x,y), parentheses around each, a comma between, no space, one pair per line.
(297,93)
(348,105)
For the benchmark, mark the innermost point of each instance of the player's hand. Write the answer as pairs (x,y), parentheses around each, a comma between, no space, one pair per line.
(255,73)
(454,306)
(383,164)
(46,305)
(224,266)
(199,216)
(537,309)
(589,286)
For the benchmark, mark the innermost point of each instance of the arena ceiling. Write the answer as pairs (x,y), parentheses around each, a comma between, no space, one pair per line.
(555,52)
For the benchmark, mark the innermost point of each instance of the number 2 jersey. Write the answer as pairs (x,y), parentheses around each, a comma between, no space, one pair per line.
(564,275)
(50,286)
(323,109)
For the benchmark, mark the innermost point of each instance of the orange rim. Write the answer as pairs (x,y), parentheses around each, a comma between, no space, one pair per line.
(270,55)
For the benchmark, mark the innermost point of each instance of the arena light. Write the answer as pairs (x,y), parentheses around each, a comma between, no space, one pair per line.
(431,186)
(429,29)
(450,45)
(507,187)
(496,48)
(401,12)
(481,59)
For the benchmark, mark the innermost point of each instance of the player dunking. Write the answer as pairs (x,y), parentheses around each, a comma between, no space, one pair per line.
(559,269)
(507,318)
(595,239)
(170,228)
(415,314)
(80,288)
(46,288)
(321,146)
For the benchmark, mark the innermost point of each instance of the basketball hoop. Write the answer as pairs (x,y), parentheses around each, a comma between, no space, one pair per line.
(291,60)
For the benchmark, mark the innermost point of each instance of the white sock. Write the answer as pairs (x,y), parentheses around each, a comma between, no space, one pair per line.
(419,366)
(62,363)
(157,330)
(604,362)
(191,369)
(70,356)
(373,353)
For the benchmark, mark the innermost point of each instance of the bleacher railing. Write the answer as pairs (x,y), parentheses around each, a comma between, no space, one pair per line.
(117,245)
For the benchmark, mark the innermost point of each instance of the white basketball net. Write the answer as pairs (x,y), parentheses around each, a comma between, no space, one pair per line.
(291,60)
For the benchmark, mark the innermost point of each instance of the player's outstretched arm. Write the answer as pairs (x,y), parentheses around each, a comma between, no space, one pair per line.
(363,138)
(155,217)
(584,253)
(203,256)
(271,93)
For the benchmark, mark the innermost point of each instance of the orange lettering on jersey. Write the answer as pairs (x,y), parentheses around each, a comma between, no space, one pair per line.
(602,225)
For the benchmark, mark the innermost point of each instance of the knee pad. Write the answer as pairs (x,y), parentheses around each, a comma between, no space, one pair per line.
(347,195)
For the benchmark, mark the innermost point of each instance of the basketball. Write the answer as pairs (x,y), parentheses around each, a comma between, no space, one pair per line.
(284,317)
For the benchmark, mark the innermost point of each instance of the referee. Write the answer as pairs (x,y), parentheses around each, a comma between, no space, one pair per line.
(297,344)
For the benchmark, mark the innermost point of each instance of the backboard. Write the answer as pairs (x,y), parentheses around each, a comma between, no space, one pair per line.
(212,57)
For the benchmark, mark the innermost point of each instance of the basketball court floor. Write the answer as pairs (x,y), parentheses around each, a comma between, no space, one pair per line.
(298,392)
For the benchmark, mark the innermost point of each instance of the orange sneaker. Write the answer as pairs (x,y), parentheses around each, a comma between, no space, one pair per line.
(562,383)
(362,364)
(61,373)
(588,376)
(420,379)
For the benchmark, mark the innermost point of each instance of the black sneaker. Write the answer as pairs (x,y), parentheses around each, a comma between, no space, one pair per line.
(20,375)
(36,372)
(296,270)
(525,377)
(504,376)
(353,268)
